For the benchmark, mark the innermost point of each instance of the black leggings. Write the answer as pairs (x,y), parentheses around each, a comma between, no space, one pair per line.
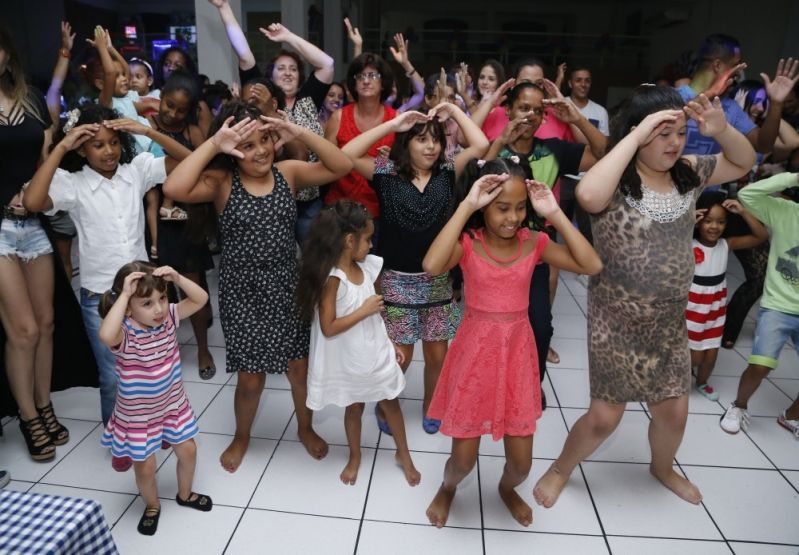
(540,314)
(755,263)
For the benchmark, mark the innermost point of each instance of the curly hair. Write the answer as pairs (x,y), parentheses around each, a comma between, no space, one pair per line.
(144,287)
(363,61)
(645,100)
(323,248)
(474,171)
(401,154)
(94,113)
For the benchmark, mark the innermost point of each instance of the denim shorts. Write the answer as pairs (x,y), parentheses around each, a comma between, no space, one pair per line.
(24,239)
(773,330)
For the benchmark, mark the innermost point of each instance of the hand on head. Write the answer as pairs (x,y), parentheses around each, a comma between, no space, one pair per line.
(485,190)
(653,124)
(541,197)
(131,282)
(228,137)
(167,273)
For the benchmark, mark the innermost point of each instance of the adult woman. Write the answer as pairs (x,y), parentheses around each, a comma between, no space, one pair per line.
(304,97)
(641,196)
(27,270)
(369,80)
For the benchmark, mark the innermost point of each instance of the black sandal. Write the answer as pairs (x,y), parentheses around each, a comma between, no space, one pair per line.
(148,523)
(202,503)
(40,445)
(58,433)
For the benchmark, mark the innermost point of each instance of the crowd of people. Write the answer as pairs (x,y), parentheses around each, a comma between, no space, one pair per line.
(355,219)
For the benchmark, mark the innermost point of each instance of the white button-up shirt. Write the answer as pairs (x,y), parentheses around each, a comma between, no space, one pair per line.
(108,215)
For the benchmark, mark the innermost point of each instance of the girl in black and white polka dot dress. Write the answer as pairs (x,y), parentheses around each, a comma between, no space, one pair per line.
(254,198)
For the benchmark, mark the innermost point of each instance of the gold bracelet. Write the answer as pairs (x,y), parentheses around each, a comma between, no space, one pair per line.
(64,53)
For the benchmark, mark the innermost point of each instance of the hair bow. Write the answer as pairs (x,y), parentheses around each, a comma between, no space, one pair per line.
(72,119)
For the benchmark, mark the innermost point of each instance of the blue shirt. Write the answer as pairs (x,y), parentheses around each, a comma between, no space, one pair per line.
(695,142)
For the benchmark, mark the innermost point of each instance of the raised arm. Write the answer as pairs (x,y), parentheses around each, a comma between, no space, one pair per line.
(596,188)
(323,63)
(758,234)
(102,43)
(576,255)
(446,251)
(567,112)
(332,163)
(737,155)
(355,38)
(480,115)
(358,147)
(235,35)
(175,151)
(196,297)
(473,135)
(110,332)
(777,90)
(53,96)
(37,194)
(402,57)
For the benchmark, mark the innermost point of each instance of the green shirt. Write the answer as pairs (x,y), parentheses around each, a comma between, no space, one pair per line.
(781,291)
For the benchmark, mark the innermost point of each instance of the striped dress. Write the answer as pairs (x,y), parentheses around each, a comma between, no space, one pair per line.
(151,405)
(707,298)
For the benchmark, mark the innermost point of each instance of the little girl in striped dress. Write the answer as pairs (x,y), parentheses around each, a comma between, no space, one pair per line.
(706,312)
(152,409)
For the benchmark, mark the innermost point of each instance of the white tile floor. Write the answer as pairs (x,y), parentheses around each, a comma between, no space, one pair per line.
(282,501)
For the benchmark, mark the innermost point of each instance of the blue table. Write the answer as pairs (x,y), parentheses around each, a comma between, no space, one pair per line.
(38,523)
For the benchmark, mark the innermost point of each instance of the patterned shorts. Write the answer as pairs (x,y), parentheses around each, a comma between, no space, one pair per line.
(419,306)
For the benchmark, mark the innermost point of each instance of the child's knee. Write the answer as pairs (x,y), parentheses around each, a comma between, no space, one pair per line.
(356,409)
(298,372)
(186,450)
(759,370)
(463,465)
(519,467)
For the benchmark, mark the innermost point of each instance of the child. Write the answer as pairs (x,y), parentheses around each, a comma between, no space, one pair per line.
(112,82)
(140,327)
(142,78)
(707,298)
(254,197)
(352,360)
(778,318)
(549,159)
(414,188)
(182,244)
(641,196)
(489,383)
(101,186)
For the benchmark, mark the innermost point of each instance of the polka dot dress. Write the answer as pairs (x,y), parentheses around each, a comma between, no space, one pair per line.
(258,278)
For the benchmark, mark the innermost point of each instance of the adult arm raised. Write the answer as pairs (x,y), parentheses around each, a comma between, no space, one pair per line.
(323,63)
(235,35)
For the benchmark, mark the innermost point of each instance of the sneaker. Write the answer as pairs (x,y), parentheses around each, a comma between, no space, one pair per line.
(734,419)
(708,392)
(790,425)
(5,478)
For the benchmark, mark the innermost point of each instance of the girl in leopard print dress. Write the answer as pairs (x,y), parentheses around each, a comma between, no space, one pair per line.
(641,196)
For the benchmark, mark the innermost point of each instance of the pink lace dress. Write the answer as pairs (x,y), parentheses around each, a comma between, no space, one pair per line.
(489,383)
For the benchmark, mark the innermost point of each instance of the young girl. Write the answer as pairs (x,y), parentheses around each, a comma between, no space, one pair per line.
(641,197)
(142,78)
(178,244)
(414,188)
(334,99)
(140,327)
(101,185)
(489,383)
(352,360)
(707,297)
(111,80)
(254,197)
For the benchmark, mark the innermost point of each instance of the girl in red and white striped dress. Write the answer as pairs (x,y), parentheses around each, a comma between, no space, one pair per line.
(152,409)
(707,298)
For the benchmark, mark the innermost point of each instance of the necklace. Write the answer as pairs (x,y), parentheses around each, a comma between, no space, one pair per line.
(513,258)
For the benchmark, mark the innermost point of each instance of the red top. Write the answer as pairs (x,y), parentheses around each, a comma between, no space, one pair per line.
(354,186)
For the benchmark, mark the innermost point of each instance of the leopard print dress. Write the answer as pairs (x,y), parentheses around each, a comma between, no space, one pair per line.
(637,336)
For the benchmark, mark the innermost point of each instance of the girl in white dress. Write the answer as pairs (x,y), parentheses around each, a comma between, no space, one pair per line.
(352,360)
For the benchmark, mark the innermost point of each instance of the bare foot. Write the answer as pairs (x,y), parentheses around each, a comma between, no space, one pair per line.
(438,511)
(679,485)
(232,456)
(315,445)
(548,488)
(350,473)
(519,510)
(411,474)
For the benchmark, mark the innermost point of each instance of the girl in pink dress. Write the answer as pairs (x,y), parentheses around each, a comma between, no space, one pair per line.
(489,383)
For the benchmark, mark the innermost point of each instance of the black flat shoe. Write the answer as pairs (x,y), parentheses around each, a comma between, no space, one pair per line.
(201,502)
(148,523)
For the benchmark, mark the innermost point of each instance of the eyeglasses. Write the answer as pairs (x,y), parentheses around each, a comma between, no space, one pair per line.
(370,76)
